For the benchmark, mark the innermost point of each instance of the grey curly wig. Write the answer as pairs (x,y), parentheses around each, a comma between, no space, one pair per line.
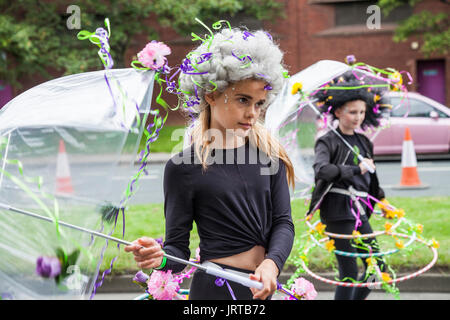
(230,56)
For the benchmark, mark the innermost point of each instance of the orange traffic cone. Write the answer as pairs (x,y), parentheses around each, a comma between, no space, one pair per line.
(63,178)
(410,178)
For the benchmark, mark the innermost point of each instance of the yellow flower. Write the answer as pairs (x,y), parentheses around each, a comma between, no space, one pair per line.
(329,245)
(385,277)
(435,243)
(397,77)
(419,228)
(296,87)
(389,214)
(356,233)
(399,244)
(400,213)
(320,227)
(370,261)
(387,227)
(386,209)
(304,258)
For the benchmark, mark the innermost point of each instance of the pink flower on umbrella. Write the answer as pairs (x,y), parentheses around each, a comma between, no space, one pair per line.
(153,55)
(304,289)
(162,285)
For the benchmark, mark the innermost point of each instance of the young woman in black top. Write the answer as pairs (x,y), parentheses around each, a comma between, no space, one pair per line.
(230,179)
(338,176)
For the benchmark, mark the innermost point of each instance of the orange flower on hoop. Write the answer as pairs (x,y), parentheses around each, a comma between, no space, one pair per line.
(329,245)
(388,227)
(385,277)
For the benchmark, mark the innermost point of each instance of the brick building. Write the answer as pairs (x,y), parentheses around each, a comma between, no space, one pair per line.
(332,29)
(314,30)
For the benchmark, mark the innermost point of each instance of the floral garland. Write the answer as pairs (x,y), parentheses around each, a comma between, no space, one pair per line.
(316,235)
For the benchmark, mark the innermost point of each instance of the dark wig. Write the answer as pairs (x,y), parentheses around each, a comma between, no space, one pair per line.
(329,100)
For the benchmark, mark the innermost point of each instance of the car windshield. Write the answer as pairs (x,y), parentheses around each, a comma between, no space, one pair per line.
(416,108)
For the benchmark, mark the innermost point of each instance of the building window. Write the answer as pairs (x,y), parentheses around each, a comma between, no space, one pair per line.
(355,13)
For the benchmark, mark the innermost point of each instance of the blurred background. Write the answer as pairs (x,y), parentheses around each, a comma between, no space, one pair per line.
(38,38)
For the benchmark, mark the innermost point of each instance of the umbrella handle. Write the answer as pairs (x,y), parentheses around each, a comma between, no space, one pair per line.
(365,164)
(234,277)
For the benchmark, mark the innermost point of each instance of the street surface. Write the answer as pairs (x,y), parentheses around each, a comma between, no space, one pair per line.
(99,180)
(434,173)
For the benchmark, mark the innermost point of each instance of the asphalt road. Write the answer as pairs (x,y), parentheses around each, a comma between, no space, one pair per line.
(435,173)
(96,180)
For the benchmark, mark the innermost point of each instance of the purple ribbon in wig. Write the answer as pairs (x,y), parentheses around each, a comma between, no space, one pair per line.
(246,35)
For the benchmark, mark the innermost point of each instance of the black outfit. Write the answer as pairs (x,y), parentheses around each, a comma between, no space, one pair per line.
(240,201)
(204,287)
(334,168)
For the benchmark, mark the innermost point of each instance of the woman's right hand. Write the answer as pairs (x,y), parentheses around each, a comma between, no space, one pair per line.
(147,252)
(363,167)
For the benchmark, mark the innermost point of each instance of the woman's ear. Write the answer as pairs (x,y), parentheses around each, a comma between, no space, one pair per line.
(338,112)
(210,98)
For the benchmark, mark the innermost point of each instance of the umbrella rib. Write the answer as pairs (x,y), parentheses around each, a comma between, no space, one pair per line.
(209,270)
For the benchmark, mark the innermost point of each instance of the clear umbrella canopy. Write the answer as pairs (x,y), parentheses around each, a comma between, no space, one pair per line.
(61,145)
(297,125)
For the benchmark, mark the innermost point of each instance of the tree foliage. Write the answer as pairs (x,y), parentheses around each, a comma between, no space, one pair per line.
(34,36)
(433,28)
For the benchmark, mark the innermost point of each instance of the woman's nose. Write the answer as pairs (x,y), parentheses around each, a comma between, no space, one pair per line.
(252,111)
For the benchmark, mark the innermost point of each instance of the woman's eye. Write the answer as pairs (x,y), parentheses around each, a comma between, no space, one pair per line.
(243,100)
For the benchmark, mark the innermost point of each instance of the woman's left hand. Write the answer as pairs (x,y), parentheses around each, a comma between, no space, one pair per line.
(266,273)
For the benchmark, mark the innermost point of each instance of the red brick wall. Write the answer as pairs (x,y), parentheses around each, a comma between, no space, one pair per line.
(307,34)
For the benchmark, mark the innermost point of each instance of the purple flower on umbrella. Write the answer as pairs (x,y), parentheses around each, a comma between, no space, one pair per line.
(160,240)
(48,267)
(140,277)
(350,59)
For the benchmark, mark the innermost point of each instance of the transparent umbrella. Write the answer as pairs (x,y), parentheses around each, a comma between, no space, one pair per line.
(61,145)
(296,121)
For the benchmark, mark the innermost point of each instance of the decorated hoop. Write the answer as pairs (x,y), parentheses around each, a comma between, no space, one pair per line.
(362,255)
(379,283)
(352,236)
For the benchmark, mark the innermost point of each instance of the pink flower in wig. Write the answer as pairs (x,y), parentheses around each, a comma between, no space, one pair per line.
(162,285)
(153,55)
(304,289)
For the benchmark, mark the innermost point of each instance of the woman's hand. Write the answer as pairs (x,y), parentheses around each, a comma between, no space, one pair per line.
(266,273)
(363,167)
(147,252)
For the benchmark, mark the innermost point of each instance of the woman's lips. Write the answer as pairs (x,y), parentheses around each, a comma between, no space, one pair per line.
(245,125)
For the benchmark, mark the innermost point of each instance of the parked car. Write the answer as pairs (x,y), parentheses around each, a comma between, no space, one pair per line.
(427,120)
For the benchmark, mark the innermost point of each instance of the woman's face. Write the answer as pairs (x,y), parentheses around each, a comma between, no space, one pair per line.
(237,108)
(351,115)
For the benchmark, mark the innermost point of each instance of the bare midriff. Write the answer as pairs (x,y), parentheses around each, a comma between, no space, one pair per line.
(248,260)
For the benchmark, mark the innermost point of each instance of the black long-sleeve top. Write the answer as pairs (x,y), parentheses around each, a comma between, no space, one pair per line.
(334,165)
(240,201)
